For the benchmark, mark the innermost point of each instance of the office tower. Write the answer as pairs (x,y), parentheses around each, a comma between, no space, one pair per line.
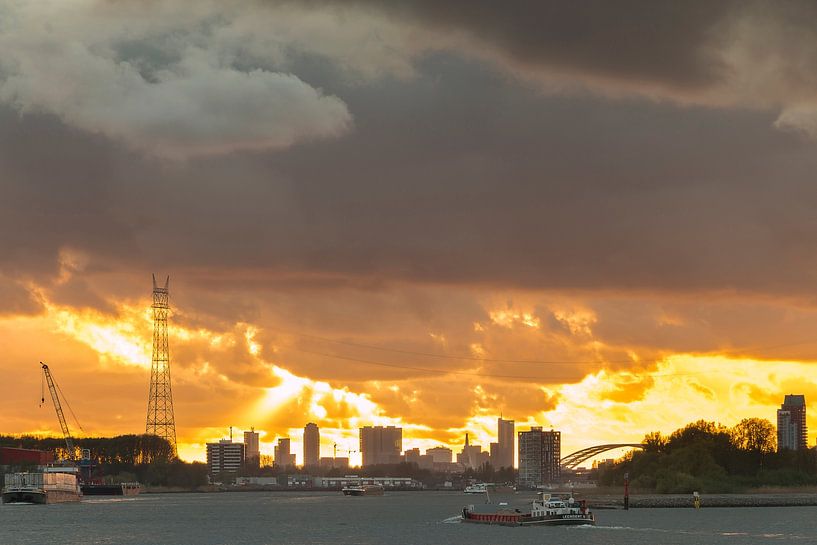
(283,457)
(539,456)
(381,445)
(441,455)
(505,443)
(252,452)
(224,456)
(792,432)
(312,445)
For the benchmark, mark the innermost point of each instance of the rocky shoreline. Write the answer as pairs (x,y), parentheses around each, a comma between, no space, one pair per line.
(707,500)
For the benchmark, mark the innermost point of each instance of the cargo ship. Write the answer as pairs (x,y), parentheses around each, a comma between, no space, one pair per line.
(544,510)
(42,488)
(119,489)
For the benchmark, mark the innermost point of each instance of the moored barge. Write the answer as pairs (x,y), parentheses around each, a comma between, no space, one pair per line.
(42,488)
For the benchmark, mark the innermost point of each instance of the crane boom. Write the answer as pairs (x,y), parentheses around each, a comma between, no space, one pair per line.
(69,442)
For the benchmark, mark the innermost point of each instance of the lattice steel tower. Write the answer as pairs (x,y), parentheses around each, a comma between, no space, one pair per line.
(160,419)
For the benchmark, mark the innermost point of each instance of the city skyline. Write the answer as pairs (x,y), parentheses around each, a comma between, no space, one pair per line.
(412,213)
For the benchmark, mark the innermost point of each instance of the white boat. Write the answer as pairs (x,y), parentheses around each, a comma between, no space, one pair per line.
(477,488)
(47,487)
(544,510)
(363,490)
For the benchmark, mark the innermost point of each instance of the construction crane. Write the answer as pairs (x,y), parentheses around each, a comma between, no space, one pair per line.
(55,398)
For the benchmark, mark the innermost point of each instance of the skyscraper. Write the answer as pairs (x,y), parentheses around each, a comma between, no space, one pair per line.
(283,457)
(252,453)
(381,445)
(792,432)
(539,456)
(312,445)
(505,432)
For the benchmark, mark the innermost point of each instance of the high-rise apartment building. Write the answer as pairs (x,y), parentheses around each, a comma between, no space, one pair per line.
(502,454)
(381,445)
(224,456)
(252,452)
(283,456)
(539,456)
(312,445)
(792,432)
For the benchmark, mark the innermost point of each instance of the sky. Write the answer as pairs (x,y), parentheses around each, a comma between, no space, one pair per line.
(592,216)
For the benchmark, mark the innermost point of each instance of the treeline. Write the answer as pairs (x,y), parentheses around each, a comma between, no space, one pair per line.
(147,459)
(708,457)
(122,449)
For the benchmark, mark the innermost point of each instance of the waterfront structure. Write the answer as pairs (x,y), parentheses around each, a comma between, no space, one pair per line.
(539,455)
(472,456)
(252,452)
(312,445)
(441,455)
(792,432)
(283,456)
(502,454)
(160,419)
(381,445)
(224,456)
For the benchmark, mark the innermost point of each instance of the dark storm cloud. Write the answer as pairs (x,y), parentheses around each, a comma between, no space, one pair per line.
(665,42)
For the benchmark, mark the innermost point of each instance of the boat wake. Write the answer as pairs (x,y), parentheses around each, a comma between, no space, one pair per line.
(453,520)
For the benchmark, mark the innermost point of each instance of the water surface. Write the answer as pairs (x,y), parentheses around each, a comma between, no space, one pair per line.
(421,518)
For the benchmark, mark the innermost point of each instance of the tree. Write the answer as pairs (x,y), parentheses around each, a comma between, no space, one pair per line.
(654,442)
(754,435)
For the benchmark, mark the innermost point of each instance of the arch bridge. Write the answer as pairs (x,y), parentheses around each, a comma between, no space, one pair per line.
(572,461)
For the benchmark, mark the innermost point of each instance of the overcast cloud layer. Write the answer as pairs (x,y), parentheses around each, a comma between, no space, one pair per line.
(600,183)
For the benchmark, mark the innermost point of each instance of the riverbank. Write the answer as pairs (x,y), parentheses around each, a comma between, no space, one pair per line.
(760,499)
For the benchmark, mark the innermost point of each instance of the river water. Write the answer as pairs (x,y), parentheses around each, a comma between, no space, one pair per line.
(421,518)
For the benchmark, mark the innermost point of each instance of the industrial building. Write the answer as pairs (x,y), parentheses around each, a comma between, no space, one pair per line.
(224,456)
(539,455)
(792,432)
(381,445)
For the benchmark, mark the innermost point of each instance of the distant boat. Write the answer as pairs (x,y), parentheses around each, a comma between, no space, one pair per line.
(482,488)
(363,490)
(477,488)
(41,488)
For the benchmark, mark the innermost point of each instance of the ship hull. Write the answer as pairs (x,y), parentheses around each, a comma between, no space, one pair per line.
(521,520)
(40,496)
(109,490)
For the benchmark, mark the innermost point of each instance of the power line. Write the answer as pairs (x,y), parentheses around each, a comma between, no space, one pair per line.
(455,356)
(463,373)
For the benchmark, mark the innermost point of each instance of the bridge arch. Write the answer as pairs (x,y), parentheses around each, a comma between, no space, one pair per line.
(572,461)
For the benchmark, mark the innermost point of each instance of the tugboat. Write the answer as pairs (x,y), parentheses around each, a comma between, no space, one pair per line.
(47,487)
(545,510)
